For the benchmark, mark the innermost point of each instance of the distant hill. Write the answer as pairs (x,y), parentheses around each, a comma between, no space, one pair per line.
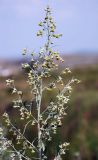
(8,67)
(80,60)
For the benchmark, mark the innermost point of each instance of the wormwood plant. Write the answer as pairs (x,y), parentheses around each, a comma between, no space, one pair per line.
(45,119)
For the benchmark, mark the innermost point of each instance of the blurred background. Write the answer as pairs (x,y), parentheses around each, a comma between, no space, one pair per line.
(77,20)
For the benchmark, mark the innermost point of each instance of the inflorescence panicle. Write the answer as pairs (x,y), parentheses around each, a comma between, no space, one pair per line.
(46,121)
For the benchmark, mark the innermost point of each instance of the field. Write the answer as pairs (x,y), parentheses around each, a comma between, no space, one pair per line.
(81,122)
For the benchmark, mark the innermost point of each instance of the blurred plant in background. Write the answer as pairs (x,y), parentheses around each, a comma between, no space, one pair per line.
(46,119)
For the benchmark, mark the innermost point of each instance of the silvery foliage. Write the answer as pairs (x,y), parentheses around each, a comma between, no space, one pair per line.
(48,118)
(5,151)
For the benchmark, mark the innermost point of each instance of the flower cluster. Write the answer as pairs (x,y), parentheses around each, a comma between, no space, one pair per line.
(63,148)
(9,82)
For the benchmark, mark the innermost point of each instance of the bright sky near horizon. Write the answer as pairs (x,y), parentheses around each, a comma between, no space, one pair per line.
(77,20)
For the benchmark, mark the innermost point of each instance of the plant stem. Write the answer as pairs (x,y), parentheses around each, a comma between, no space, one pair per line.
(48,34)
(39,97)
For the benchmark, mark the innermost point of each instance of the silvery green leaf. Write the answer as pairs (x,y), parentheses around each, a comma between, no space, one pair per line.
(43,146)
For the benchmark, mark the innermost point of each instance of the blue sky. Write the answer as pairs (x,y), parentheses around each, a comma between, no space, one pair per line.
(76,19)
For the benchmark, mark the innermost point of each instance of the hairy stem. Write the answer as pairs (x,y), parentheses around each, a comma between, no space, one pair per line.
(38,98)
